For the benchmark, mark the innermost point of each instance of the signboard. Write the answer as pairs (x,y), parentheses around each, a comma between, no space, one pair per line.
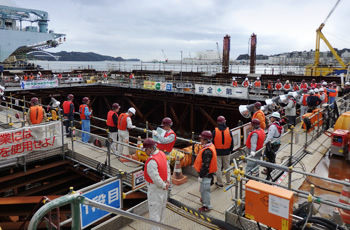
(19,142)
(164,86)
(236,137)
(138,180)
(184,85)
(149,84)
(246,130)
(37,84)
(221,91)
(109,194)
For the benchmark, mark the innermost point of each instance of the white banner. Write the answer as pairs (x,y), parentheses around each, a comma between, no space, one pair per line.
(222,91)
(19,142)
(37,84)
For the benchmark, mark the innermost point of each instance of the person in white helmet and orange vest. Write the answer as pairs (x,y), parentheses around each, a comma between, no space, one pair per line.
(157,176)
(303,103)
(206,165)
(278,87)
(323,96)
(68,114)
(287,87)
(124,125)
(303,84)
(223,141)
(166,141)
(257,86)
(313,84)
(112,123)
(254,143)
(85,115)
(332,93)
(234,82)
(245,83)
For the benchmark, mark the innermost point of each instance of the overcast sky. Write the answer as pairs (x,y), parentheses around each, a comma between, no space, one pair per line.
(143,28)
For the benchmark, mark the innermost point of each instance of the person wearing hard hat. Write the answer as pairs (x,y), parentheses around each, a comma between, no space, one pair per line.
(257,86)
(323,96)
(254,143)
(206,165)
(287,87)
(332,93)
(303,84)
(112,123)
(85,115)
(270,88)
(166,140)
(274,132)
(290,109)
(234,82)
(36,115)
(124,125)
(223,141)
(157,176)
(347,88)
(303,103)
(295,87)
(245,83)
(313,84)
(317,93)
(278,86)
(68,114)
(313,101)
(259,114)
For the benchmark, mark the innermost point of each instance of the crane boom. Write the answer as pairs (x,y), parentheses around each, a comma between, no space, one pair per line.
(217,47)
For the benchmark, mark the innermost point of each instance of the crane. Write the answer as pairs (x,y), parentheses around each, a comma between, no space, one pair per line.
(165,58)
(217,47)
(317,69)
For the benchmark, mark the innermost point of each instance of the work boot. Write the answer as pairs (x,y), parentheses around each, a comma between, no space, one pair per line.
(264,171)
(204,209)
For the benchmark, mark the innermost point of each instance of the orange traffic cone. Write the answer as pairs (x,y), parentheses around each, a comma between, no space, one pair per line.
(345,199)
(178,178)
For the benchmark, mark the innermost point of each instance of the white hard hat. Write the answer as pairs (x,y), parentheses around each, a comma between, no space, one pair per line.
(287,81)
(258,78)
(347,83)
(233,78)
(316,90)
(321,90)
(132,110)
(324,83)
(312,92)
(246,79)
(276,115)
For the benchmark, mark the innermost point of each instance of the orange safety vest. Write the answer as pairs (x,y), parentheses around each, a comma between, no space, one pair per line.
(234,83)
(36,114)
(245,83)
(295,88)
(325,90)
(222,139)
(325,100)
(213,166)
(261,139)
(66,107)
(31,77)
(304,99)
(331,94)
(319,96)
(269,86)
(286,86)
(313,85)
(162,163)
(167,147)
(257,83)
(105,75)
(278,86)
(110,118)
(303,86)
(122,123)
(262,122)
(81,111)
(25,77)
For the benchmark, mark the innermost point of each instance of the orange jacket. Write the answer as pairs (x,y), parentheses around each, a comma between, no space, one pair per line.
(122,121)
(222,139)
(331,94)
(257,83)
(36,114)
(110,118)
(213,167)
(82,111)
(261,117)
(162,163)
(304,99)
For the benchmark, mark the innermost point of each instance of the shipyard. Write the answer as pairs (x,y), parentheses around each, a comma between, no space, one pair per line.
(177,139)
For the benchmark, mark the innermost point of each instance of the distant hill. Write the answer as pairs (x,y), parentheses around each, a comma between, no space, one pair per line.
(77,56)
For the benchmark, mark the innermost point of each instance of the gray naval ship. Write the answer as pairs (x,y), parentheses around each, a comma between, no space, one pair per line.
(23,31)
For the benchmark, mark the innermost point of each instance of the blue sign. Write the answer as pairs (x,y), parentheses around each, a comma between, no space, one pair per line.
(169,86)
(1,68)
(108,194)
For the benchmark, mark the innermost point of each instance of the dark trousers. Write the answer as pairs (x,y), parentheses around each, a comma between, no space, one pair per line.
(275,148)
(270,93)
(68,124)
(291,121)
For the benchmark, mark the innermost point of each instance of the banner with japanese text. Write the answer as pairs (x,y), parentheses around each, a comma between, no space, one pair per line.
(37,84)
(21,141)
(149,84)
(221,91)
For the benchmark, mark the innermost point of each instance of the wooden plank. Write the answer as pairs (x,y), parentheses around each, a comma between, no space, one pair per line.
(25,199)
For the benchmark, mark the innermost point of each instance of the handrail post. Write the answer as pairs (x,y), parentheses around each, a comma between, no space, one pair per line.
(60,118)
(11,100)
(7,112)
(146,129)
(291,145)
(109,151)
(290,177)
(72,138)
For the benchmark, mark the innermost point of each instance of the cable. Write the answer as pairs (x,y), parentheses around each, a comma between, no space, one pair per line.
(320,187)
(308,216)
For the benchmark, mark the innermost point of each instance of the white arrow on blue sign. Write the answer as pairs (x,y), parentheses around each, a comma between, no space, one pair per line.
(109,194)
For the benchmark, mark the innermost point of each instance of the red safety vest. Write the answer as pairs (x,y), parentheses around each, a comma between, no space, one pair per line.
(313,85)
(122,123)
(257,83)
(279,127)
(162,163)
(286,86)
(222,139)
(245,83)
(66,106)
(36,114)
(25,77)
(234,83)
(303,86)
(331,94)
(278,86)
(110,118)
(295,88)
(304,99)
(167,147)
(269,86)
(105,75)
(81,111)
(261,139)
(213,166)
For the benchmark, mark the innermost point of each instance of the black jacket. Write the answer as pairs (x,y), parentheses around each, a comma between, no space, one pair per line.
(223,152)
(313,101)
(115,121)
(207,155)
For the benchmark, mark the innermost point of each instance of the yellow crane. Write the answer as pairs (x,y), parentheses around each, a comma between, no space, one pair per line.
(324,70)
